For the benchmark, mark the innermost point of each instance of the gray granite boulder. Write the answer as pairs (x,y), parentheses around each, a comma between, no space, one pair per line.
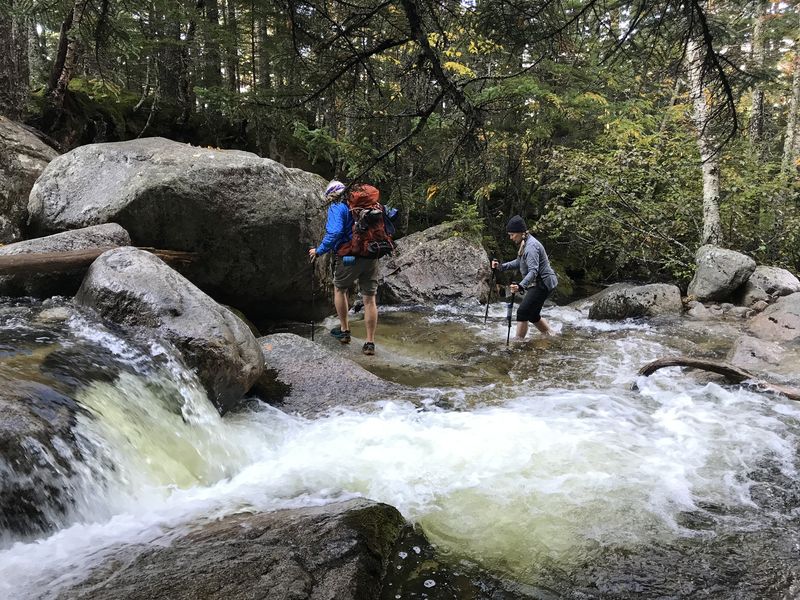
(135,288)
(250,220)
(774,280)
(339,551)
(753,354)
(434,265)
(656,299)
(779,322)
(23,157)
(720,272)
(320,380)
(65,283)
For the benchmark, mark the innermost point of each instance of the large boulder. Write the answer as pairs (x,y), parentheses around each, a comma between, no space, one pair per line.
(65,283)
(135,288)
(336,551)
(774,280)
(720,272)
(779,322)
(652,300)
(318,380)
(434,265)
(23,157)
(249,219)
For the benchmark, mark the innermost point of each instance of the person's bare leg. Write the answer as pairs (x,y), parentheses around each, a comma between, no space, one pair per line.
(522,330)
(543,327)
(340,302)
(370,317)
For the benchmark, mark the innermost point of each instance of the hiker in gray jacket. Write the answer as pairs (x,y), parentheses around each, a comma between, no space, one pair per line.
(538,278)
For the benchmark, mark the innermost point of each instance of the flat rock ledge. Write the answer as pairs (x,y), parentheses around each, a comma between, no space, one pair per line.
(318,379)
(336,551)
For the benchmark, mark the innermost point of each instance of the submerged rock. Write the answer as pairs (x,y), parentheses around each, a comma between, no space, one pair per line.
(339,551)
(41,459)
(250,220)
(133,287)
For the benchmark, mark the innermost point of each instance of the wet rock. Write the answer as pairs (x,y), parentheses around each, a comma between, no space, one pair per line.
(320,380)
(642,301)
(779,322)
(584,304)
(753,354)
(339,551)
(39,455)
(135,288)
(436,265)
(720,272)
(23,157)
(250,220)
(65,284)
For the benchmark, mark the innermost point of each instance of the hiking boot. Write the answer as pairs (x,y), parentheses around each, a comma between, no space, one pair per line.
(342,336)
(368,349)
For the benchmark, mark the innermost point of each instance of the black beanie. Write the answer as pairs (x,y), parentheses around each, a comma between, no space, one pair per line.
(516,225)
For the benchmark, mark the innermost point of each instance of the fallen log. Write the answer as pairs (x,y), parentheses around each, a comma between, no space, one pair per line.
(730,372)
(73,260)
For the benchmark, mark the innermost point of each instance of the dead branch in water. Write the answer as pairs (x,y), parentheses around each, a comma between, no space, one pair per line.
(729,371)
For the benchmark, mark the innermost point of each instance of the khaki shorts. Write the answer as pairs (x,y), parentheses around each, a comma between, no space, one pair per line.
(363,270)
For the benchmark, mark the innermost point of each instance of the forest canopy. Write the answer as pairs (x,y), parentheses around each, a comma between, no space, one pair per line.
(627,132)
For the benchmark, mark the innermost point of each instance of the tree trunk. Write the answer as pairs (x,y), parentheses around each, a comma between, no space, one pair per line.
(756,126)
(709,152)
(791,145)
(72,260)
(14,72)
(69,50)
(213,75)
(232,47)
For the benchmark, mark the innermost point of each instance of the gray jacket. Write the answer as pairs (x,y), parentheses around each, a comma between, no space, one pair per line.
(533,264)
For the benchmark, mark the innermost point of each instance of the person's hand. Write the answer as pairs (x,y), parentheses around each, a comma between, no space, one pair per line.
(495,264)
(514,288)
(312,253)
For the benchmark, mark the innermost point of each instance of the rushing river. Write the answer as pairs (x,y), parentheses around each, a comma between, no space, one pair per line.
(538,464)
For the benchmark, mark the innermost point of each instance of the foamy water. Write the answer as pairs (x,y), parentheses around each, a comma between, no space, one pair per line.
(529,476)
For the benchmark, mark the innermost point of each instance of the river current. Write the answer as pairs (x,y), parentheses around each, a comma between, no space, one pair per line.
(538,463)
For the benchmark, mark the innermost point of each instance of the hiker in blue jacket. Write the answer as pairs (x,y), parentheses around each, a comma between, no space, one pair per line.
(339,231)
(538,278)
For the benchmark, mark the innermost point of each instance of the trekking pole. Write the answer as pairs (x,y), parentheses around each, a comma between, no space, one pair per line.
(508,316)
(313,261)
(489,295)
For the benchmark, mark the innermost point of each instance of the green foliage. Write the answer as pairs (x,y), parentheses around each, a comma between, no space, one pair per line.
(466,220)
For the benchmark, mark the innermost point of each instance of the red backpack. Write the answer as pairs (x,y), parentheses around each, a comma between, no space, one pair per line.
(370,238)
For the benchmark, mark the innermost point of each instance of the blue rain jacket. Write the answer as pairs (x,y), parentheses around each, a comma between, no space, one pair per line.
(338,228)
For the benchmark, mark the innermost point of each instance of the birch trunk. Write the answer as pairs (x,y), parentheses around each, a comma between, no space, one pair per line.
(709,154)
(756,126)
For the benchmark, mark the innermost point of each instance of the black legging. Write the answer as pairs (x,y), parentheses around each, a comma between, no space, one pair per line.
(532,302)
